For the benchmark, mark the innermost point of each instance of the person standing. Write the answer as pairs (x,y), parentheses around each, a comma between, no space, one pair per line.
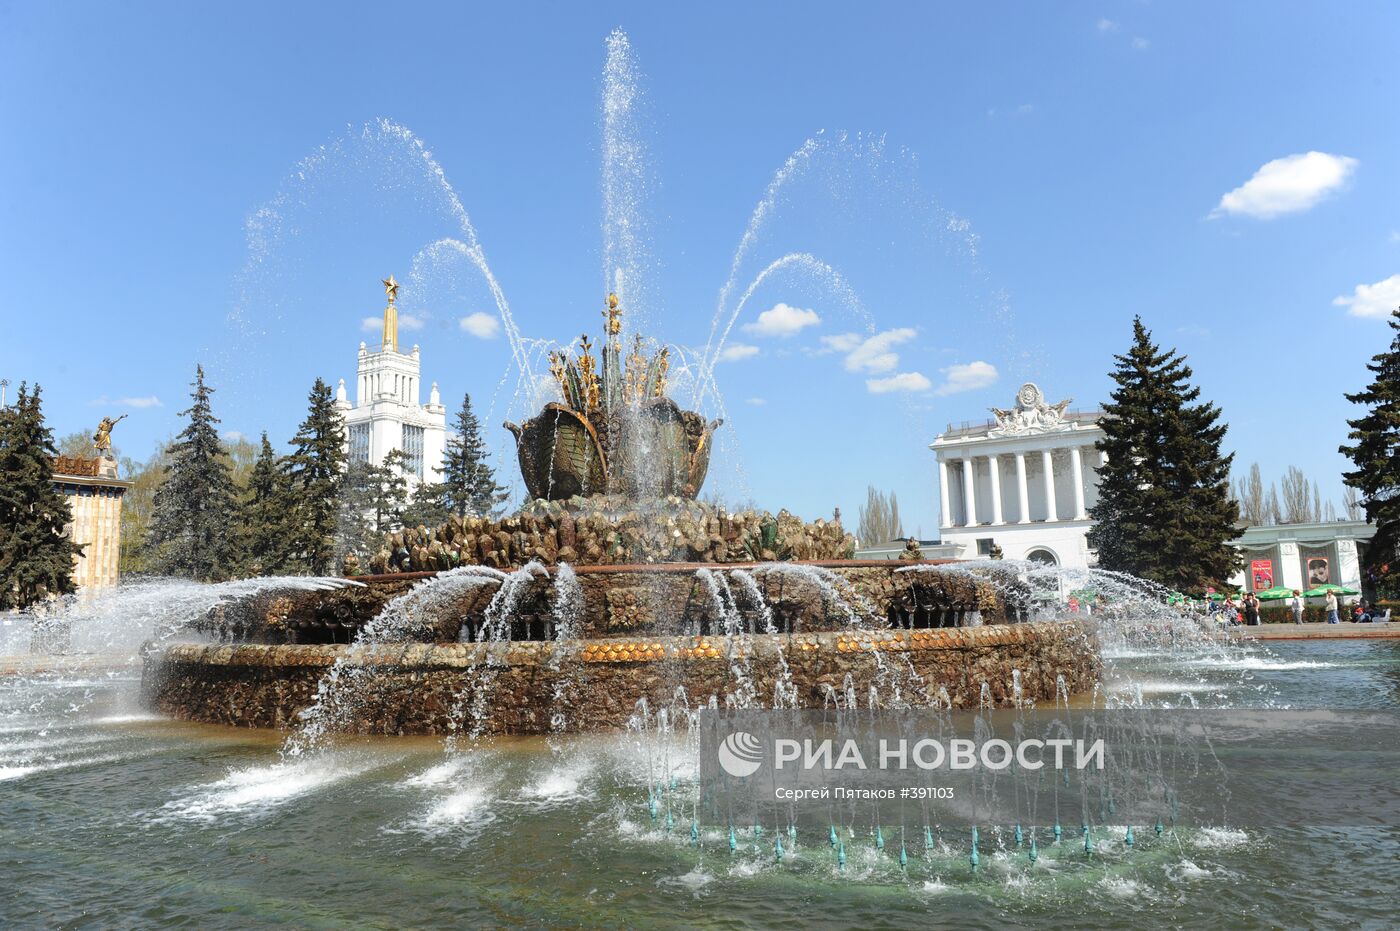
(1296,603)
(1251,610)
(1332,608)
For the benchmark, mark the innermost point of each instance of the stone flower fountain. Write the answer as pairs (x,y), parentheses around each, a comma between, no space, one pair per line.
(616,431)
(614,589)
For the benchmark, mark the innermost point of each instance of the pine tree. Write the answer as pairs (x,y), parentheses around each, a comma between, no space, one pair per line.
(428,506)
(1375,451)
(265,509)
(36,556)
(315,469)
(193,529)
(1164,512)
(469,484)
(372,503)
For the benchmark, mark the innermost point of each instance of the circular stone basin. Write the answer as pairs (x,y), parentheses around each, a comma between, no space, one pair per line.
(596,683)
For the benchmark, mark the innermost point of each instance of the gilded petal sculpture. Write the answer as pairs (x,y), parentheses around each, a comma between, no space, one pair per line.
(616,431)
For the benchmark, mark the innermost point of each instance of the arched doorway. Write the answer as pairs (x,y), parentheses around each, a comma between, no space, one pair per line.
(1045,586)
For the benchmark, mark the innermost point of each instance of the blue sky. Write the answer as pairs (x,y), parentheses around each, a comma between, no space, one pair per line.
(1002,185)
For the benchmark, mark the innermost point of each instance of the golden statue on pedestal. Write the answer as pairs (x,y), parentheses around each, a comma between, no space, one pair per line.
(102,439)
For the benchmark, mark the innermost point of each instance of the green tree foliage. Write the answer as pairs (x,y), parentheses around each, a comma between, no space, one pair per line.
(36,556)
(139,507)
(315,469)
(1165,511)
(469,484)
(372,503)
(428,506)
(879,518)
(192,530)
(266,508)
(1375,453)
(78,445)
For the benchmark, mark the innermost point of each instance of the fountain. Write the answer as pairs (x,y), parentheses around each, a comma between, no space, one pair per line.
(459,629)
(615,599)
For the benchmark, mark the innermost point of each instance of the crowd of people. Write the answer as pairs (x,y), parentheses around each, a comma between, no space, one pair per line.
(1248,611)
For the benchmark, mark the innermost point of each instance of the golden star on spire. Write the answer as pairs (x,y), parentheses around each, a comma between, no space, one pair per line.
(391,288)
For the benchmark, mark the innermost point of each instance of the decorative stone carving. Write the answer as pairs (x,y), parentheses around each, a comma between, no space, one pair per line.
(1031,414)
(628,609)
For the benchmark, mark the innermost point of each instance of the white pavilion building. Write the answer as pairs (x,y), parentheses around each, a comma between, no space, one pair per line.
(1023,482)
(387,414)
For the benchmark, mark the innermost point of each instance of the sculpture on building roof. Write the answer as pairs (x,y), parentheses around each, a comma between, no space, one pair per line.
(102,439)
(616,431)
(1030,415)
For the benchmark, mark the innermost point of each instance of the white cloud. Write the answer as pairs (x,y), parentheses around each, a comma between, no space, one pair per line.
(841,342)
(876,354)
(757,402)
(1287,185)
(1372,300)
(904,381)
(1140,44)
(969,377)
(1394,236)
(481,325)
(1106,25)
(736,351)
(232,436)
(782,320)
(140,403)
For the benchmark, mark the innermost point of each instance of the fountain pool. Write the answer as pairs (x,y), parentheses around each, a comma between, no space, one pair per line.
(110,815)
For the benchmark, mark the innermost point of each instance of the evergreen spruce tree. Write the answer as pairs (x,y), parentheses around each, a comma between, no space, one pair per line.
(389,492)
(469,483)
(354,527)
(428,506)
(193,528)
(266,504)
(1375,452)
(1164,512)
(36,556)
(315,469)
(372,503)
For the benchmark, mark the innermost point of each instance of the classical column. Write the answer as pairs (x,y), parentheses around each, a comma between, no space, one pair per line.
(1048,462)
(1076,468)
(995,468)
(945,519)
(969,498)
(1021,490)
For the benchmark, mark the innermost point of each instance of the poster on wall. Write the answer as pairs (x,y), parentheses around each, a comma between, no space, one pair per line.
(1262,572)
(1319,572)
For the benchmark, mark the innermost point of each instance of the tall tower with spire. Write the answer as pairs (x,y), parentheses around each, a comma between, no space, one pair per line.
(387,414)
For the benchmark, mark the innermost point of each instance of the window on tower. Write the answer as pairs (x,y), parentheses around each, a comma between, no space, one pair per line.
(359,442)
(413,449)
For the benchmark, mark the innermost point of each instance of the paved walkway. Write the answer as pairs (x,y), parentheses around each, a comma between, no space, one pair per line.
(1342,631)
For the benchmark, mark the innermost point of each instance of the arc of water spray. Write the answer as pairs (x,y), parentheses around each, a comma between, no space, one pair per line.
(263,227)
(802,260)
(795,163)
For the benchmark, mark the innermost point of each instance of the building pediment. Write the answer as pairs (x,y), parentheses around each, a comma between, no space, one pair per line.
(1031,415)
